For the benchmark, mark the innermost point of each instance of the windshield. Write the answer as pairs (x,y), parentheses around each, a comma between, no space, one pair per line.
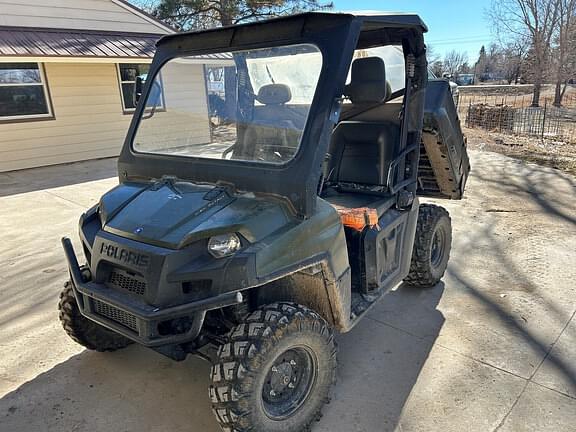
(245,105)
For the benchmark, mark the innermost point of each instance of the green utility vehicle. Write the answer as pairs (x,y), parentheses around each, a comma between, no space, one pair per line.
(266,232)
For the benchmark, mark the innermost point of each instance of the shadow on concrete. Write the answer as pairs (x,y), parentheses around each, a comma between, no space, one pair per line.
(380,363)
(544,188)
(54,176)
(131,390)
(139,390)
(537,343)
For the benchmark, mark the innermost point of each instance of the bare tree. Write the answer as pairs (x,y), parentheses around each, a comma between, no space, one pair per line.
(437,68)
(201,14)
(534,20)
(564,48)
(513,59)
(432,55)
(454,60)
(464,68)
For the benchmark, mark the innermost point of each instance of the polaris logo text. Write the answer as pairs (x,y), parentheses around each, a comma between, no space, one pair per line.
(124,255)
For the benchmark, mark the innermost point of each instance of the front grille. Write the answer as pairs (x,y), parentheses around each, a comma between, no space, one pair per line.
(115,314)
(126,281)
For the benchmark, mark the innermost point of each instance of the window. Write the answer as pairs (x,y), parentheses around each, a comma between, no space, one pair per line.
(23,92)
(393,57)
(257,108)
(128,73)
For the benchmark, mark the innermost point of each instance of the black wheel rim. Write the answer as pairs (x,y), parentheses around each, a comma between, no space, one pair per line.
(438,247)
(289,382)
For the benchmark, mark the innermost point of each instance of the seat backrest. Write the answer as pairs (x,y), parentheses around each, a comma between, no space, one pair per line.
(368,83)
(273,123)
(361,154)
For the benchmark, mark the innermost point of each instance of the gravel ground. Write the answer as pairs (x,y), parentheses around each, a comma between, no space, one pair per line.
(492,347)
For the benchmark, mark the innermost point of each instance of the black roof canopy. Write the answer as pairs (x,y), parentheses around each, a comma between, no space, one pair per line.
(280,27)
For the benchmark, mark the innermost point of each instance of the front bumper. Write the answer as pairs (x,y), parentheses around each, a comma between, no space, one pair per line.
(134,319)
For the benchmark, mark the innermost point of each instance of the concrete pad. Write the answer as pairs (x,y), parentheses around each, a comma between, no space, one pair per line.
(55,176)
(131,390)
(558,371)
(10,185)
(378,367)
(35,221)
(421,361)
(29,318)
(85,194)
(455,394)
(542,410)
(390,381)
(508,290)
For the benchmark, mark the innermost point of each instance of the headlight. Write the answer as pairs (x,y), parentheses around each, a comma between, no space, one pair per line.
(223,245)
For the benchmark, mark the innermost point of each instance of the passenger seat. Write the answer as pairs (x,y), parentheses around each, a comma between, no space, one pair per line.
(361,152)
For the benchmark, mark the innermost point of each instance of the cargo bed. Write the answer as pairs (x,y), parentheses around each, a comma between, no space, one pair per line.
(444,163)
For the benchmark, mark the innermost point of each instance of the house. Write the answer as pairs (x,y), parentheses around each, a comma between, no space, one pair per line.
(68,69)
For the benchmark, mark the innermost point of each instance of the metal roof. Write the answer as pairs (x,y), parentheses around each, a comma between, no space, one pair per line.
(35,42)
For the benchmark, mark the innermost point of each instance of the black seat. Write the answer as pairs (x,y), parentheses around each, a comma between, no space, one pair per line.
(367,81)
(273,125)
(361,152)
(274,109)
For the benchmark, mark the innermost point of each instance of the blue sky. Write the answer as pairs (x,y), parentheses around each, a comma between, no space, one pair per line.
(452,24)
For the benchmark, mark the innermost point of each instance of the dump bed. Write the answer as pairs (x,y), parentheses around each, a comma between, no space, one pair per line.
(444,163)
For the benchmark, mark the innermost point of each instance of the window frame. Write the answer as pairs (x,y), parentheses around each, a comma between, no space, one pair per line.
(47,96)
(127,111)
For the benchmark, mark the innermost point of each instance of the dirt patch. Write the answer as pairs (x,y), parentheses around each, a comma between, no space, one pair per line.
(516,96)
(548,153)
(486,89)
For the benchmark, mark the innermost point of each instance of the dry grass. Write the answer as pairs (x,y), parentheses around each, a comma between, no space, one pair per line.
(549,153)
(514,96)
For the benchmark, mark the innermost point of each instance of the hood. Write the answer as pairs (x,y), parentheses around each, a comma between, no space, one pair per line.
(173,214)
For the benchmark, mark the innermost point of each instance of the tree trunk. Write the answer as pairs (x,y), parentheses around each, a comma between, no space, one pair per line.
(226,18)
(563,90)
(536,94)
(558,94)
(230,93)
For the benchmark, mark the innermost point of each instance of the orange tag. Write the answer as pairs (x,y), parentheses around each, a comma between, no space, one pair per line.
(358,218)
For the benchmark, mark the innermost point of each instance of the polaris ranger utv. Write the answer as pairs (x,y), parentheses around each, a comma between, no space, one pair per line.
(283,223)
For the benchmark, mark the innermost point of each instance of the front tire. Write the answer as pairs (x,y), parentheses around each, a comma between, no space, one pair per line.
(431,250)
(275,371)
(84,331)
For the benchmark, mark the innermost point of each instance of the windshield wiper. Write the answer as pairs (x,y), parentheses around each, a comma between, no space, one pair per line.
(270,75)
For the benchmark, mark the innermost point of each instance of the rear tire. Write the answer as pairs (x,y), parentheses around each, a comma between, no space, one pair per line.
(432,244)
(275,372)
(84,331)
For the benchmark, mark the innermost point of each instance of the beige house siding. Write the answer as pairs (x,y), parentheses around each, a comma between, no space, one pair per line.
(89,121)
(76,14)
(184,122)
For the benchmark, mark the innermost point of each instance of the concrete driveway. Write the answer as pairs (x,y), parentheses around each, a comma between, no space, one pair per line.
(491,348)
